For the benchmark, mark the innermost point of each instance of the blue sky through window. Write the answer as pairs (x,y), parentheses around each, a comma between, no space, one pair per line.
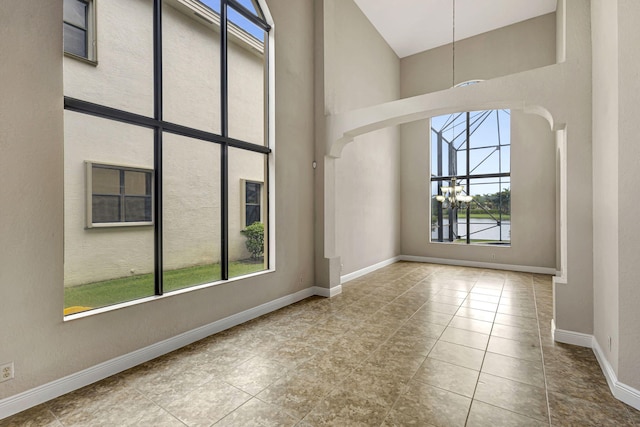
(490,146)
(236,18)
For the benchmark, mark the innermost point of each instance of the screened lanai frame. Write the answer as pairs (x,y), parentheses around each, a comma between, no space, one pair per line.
(452,149)
(160,126)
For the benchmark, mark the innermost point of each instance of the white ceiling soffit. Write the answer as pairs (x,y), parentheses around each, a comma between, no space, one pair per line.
(413,26)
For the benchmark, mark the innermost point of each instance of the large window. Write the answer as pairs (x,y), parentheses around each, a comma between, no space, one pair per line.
(472,149)
(157,138)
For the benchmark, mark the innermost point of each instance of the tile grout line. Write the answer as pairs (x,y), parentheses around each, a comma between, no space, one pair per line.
(426,357)
(544,371)
(386,415)
(473,397)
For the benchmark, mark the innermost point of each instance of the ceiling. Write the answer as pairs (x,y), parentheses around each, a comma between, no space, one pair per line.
(412,26)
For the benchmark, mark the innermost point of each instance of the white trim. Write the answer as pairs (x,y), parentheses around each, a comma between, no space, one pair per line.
(479,264)
(30,398)
(561,150)
(620,391)
(573,338)
(348,277)
(327,292)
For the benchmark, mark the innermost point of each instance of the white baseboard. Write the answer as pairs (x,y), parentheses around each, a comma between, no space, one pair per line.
(479,264)
(347,277)
(30,398)
(327,292)
(621,391)
(573,338)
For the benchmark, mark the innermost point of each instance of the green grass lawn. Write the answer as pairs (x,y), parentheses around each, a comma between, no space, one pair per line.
(114,291)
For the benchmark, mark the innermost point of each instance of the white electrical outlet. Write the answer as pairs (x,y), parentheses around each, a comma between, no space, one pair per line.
(6,372)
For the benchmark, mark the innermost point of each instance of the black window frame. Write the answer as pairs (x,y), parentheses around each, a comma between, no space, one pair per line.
(160,126)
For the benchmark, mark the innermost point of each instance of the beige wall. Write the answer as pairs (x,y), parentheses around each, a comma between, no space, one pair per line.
(519,47)
(604,27)
(516,48)
(628,180)
(615,180)
(34,336)
(362,70)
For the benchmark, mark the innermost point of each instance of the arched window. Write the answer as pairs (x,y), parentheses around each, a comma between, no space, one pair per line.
(471,150)
(166,121)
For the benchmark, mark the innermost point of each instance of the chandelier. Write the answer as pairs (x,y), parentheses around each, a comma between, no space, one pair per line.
(453,198)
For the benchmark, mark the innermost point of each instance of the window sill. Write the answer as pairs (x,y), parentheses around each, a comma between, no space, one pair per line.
(120,224)
(93,62)
(108,308)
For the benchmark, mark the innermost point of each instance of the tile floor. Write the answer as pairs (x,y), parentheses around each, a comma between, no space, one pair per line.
(410,344)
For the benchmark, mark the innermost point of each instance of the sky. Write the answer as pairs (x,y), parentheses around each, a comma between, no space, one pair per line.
(238,19)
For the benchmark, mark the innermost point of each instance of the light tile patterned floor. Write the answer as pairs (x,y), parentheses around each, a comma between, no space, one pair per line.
(410,344)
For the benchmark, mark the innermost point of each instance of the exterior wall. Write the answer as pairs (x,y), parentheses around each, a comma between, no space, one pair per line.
(192,212)
(508,50)
(362,70)
(43,346)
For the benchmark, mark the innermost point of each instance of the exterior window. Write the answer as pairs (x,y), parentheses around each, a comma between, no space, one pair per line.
(78,27)
(119,195)
(472,150)
(182,94)
(252,202)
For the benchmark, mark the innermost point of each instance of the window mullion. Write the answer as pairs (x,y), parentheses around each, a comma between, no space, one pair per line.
(157,145)
(468,177)
(224,159)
